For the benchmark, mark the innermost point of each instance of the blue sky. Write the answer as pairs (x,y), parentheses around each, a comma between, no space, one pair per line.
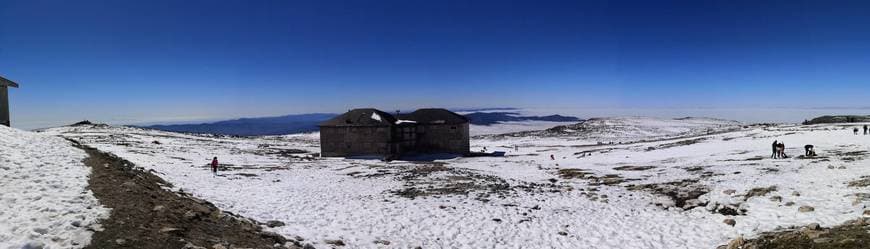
(145,61)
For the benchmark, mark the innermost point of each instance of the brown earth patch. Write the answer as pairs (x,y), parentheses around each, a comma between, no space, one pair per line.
(684,194)
(851,235)
(634,168)
(860,183)
(145,215)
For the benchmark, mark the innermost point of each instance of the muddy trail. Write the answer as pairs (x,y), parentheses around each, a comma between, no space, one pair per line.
(145,215)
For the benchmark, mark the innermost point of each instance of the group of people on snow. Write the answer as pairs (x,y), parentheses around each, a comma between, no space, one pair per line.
(865,130)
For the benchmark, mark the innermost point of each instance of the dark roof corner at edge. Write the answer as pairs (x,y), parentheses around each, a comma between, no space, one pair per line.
(7,83)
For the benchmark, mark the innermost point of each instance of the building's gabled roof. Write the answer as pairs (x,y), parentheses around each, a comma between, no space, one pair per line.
(434,116)
(7,83)
(362,117)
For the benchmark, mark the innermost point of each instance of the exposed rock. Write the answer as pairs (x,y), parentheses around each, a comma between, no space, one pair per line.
(121,242)
(805,209)
(789,204)
(814,226)
(33,245)
(736,243)
(169,229)
(218,246)
(730,222)
(274,223)
(158,208)
(795,193)
(335,242)
(382,242)
(729,191)
(776,198)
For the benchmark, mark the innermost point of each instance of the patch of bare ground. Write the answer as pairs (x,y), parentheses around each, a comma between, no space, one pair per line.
(437,180)
(677,144)
(851,235)
(145,215)
(756,192)
(860,183)
(634,168)
(682,194)
(594,180)
(850,156)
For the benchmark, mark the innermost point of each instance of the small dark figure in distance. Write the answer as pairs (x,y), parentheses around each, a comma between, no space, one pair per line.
(810,150)
(865,129)
(774,149)
(856,130)
(552,157)
(214,165)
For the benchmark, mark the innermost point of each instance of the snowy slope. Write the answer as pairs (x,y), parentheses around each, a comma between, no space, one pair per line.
(44,201)
(673,191)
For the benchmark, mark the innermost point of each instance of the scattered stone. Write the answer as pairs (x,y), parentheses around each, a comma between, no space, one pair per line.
(218,246)
(795,193)
(730,222)
(776,198)
(192,246)
(789,204)
(190,215)
(822,240)
(169,229)
(274,223)
(120,241)
(382,242)
(563,233)
(814,226)
(33,245)
(805,209)
(867,213)
(158,208)
(736,243)
(496,220)
(335,242)
(308,246)
(729,191)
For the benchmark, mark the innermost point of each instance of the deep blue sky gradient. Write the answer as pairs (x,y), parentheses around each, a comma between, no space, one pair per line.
(141,61)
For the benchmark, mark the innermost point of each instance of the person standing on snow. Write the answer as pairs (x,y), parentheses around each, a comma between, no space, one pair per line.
(774,150)
(214,165)
(865,129)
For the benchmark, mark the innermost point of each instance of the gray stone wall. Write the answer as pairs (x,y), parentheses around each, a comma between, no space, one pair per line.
(354,141)
(443,138)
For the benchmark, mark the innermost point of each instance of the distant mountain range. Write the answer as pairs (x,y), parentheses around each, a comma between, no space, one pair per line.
(281,125)
(490,118)
(290,124)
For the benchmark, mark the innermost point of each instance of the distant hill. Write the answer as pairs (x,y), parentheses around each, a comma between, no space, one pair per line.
(839,119)
(489,118)
(290,124)
(254,126)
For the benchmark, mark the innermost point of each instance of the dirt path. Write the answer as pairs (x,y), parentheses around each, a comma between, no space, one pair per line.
(145,215)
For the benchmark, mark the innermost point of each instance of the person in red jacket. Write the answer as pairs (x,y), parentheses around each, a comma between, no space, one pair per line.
(214,165)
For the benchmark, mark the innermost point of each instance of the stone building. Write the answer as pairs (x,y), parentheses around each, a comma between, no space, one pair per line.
(371,132)
(4,100)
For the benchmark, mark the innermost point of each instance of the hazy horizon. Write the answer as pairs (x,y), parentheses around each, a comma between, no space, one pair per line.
(747,115)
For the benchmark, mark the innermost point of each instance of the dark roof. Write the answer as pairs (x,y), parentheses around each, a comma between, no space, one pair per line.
(362,117)
(9,83)
(434,116)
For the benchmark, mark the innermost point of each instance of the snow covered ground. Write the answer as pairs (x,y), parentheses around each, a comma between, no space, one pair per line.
(509,127)
(669,184)
(43,197)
